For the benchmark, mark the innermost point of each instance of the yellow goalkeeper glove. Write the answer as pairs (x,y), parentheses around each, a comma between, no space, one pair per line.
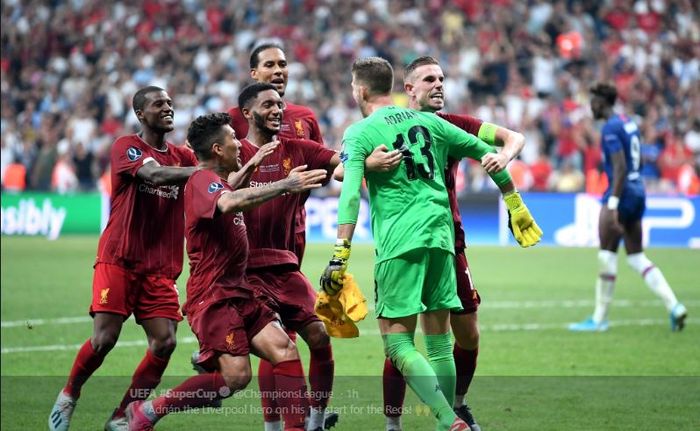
(332,277)
(520,221)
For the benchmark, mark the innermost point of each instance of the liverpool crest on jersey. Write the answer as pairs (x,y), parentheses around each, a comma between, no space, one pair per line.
(299,129)
(287,165)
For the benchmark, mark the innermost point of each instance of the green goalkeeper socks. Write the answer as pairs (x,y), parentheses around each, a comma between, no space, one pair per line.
(419,375)
(439,349)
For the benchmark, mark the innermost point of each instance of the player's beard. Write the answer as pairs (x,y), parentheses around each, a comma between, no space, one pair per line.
(260,122)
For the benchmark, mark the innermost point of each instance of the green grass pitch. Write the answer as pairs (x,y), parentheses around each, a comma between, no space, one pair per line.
(533,374)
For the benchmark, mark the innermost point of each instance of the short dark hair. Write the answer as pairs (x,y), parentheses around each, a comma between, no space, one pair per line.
(140,97)
(606,90)
(418,62)
(375,73)
(255,54)
(204,131)
(251,92)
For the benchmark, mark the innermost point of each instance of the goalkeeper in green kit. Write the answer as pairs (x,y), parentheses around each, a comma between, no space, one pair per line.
(413,230)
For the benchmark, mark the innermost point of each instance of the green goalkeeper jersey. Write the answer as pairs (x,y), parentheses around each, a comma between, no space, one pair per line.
(409,206)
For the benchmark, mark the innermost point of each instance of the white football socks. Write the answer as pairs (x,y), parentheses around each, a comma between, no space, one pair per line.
(316,417)
(273,426)
(654,278)
(605,285)
(393,423)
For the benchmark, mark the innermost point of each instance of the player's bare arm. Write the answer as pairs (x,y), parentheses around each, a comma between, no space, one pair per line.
(346,231)
(512,144)
(333,164)
(241,178)
(156,174)
(383,160)
(619,172)
(298,180)
(380,160)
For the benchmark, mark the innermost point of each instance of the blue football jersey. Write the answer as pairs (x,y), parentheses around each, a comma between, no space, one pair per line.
(622,134)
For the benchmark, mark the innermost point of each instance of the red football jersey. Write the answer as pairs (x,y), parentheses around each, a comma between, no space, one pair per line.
(217,244)
(470,125)
(271,226)
(145,229)
(298,122)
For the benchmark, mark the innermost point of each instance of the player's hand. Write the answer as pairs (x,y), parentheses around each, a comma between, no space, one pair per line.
(333,275)
(383,160)
(520,221)
(265,151)
(494,162)
(300,180)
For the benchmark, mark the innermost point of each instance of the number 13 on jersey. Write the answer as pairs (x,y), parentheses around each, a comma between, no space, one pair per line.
(415,149)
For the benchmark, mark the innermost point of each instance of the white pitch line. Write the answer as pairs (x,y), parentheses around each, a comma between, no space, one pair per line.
(499,327)
(73,347)
(500,305)
(37,322)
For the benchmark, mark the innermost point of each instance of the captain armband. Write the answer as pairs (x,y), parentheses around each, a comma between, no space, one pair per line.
(487,133)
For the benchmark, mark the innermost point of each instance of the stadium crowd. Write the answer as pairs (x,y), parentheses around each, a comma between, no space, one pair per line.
(70,67)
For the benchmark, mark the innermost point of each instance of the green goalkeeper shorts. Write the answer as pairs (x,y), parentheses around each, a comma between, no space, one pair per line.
(414,282)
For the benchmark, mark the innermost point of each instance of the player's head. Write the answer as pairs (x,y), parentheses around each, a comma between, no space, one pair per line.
(154,109)
(423,82)
(269,64)
(262,106)
(371,77)
(603,97)
(212,138)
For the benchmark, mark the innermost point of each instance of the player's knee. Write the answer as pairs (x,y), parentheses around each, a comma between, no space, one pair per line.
(163,347)
(318,338)
(104,342)
(283,353)
(639,262)
(238,380)
(289,352)
(468,339)
(607,262)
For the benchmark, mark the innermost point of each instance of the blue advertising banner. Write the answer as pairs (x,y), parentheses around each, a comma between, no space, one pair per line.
(569,220)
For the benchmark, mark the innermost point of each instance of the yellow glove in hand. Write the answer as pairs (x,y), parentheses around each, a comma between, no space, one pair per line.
(520,221)
(340,312)
(332,277)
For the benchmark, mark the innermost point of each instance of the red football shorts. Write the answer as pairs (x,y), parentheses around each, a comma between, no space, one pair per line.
(119,291)
(465,288)
(289,293)
(228,326)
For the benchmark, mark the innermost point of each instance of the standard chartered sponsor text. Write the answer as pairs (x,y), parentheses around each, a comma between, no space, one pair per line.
(168,192)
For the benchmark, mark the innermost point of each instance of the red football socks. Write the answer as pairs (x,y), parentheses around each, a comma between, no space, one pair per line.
(394,389)
(86,362)
(266,382)
(197,391)
(465,361)
(146,378)
(290,385)
(321,370)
